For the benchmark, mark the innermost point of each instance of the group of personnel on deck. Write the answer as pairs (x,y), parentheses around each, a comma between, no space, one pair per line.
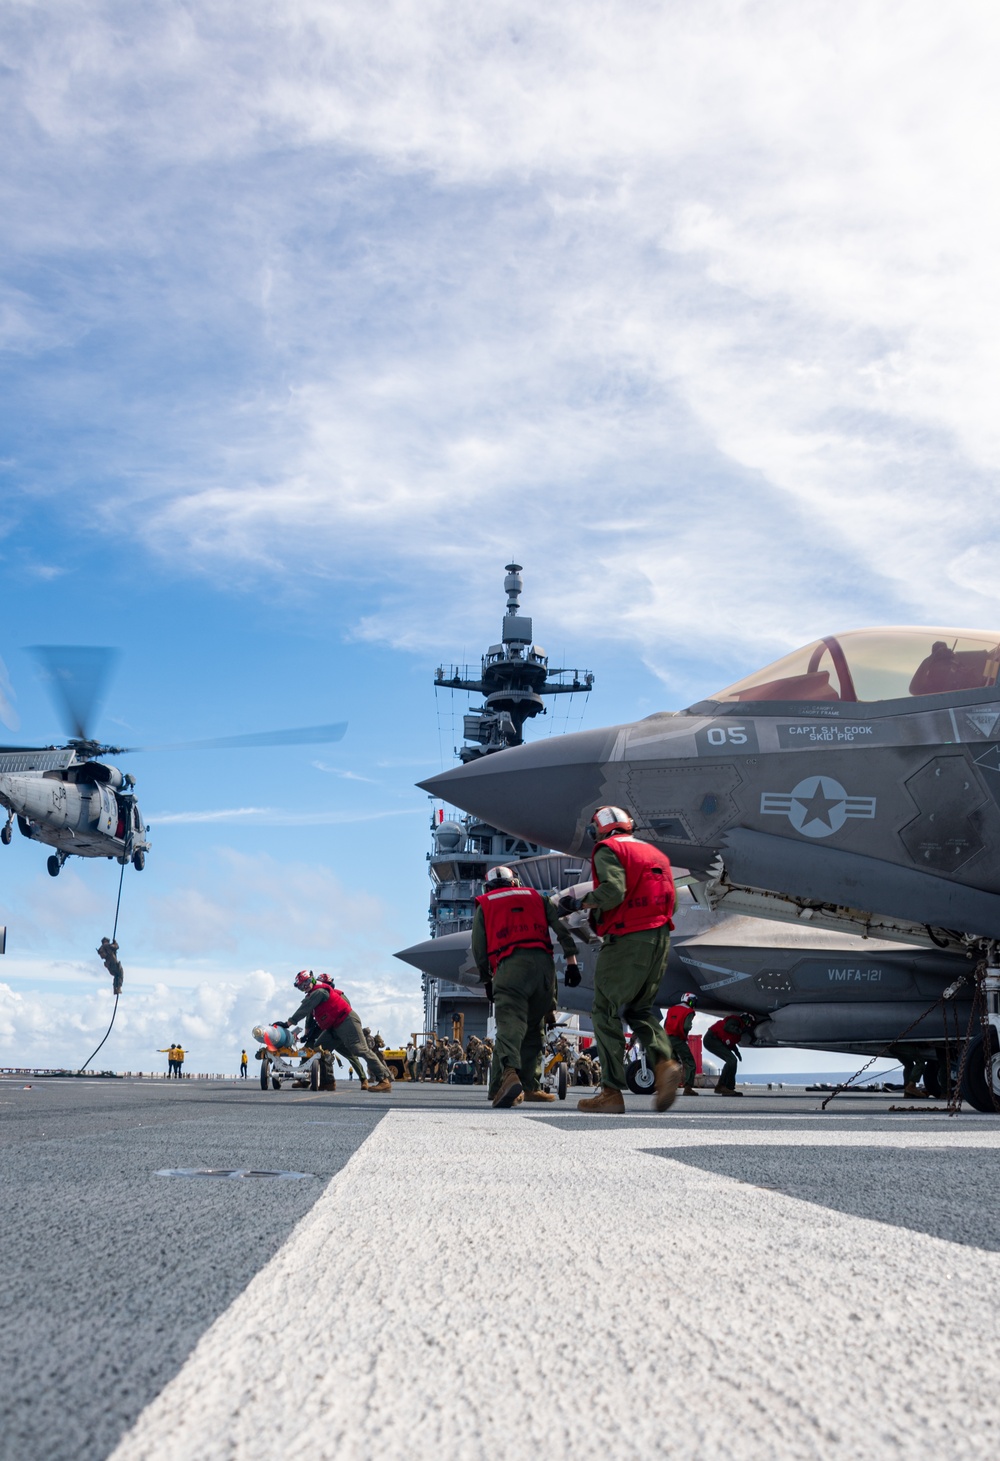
(631,903)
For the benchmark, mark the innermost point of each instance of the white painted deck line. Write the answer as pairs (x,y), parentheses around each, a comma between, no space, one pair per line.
(511,1290)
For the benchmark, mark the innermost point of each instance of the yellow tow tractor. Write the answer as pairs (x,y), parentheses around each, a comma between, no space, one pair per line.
(396,1059)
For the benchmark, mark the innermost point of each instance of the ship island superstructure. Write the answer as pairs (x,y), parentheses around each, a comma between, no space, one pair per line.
(513,679)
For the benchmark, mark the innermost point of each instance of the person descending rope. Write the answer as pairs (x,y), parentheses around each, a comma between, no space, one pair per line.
(108,950)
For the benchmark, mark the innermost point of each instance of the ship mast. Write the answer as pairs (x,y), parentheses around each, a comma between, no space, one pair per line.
(513,678)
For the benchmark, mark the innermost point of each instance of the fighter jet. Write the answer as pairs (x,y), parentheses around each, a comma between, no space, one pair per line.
(853,785)
(857,779)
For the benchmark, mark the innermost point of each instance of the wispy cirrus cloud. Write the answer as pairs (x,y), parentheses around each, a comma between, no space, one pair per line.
(696,301)
(276,816)
(344,775)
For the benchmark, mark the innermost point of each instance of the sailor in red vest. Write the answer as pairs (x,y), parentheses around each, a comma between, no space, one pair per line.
(633,903)
(678,1027)
(333,1025)
(512,947)
(723,1040)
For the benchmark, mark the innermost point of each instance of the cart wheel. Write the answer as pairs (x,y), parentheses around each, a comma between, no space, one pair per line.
(314,1077)
(275,1083)
(263,1075)
(562,1083)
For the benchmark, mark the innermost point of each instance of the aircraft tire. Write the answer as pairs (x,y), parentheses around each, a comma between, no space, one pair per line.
(263,1075)
(638,1085)
(138,861)
(562,1082)
(315,1077)
(6,834)
(275,1083)
(974,1087)
(53,864)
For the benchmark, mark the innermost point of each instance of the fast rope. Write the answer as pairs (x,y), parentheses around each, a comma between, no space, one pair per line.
(114,935)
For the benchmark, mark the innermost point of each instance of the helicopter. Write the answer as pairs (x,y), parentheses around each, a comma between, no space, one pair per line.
(67,797)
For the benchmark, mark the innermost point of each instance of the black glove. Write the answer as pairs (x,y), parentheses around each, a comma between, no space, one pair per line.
(488,986)
(566,903)
(550,1020)
(572,976)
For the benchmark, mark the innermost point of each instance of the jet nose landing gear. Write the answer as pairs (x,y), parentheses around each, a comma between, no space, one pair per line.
(981,1078)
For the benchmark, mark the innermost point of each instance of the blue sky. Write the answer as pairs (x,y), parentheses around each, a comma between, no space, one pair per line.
(310,319)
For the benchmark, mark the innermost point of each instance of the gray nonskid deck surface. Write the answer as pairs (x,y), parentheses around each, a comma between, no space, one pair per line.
(133,1298)
(110,1273)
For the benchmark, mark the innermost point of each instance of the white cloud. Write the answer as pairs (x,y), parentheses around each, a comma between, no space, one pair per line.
(344,775)
(276,817)
(698,304)
(50,1020)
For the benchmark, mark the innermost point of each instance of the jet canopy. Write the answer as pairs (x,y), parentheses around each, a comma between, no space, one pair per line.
(877,664)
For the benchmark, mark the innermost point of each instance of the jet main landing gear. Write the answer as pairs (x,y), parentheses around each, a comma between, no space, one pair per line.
(7,831)
(54,864)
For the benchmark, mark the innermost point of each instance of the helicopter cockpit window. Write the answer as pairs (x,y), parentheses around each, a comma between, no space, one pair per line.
(877,664)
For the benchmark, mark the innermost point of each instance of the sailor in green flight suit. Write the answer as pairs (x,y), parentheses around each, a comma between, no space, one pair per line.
(723,1039)
(633,900)
(680,1018)
(512,948)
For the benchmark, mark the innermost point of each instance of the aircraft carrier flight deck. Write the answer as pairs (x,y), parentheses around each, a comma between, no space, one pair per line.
(417,1274)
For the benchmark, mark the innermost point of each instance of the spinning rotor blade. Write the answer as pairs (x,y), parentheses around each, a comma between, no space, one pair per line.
(77,676)
(8,714)
(310,735)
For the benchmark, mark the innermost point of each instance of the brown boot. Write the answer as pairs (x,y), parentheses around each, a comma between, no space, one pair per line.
(607,1102)
(383,1085)
(690,1091)
(727,1091)
(519,1100)
(539,1096)
(508,1090)
(668,1076)
(365,1086)
(914,1092)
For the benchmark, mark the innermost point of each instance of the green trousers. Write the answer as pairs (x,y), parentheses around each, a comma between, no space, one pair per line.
(524,992)
(913,1059)
(682,1052)
(729,1059)
(348,1040)
(626,982)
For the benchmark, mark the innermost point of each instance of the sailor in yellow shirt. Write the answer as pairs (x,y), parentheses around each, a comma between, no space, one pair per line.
(244,1062)
(179,1054)
(170,1051)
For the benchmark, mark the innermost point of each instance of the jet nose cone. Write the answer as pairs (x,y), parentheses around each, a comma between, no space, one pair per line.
(447,957)
(545,792)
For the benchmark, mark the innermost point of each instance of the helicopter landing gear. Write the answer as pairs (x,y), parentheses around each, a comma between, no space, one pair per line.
(7,831)
(139,860)
(54,864)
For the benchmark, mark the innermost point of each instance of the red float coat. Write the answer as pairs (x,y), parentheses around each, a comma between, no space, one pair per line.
(649,888)
(728,1037)
(334,1009)
(678,1016)
(515,918)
